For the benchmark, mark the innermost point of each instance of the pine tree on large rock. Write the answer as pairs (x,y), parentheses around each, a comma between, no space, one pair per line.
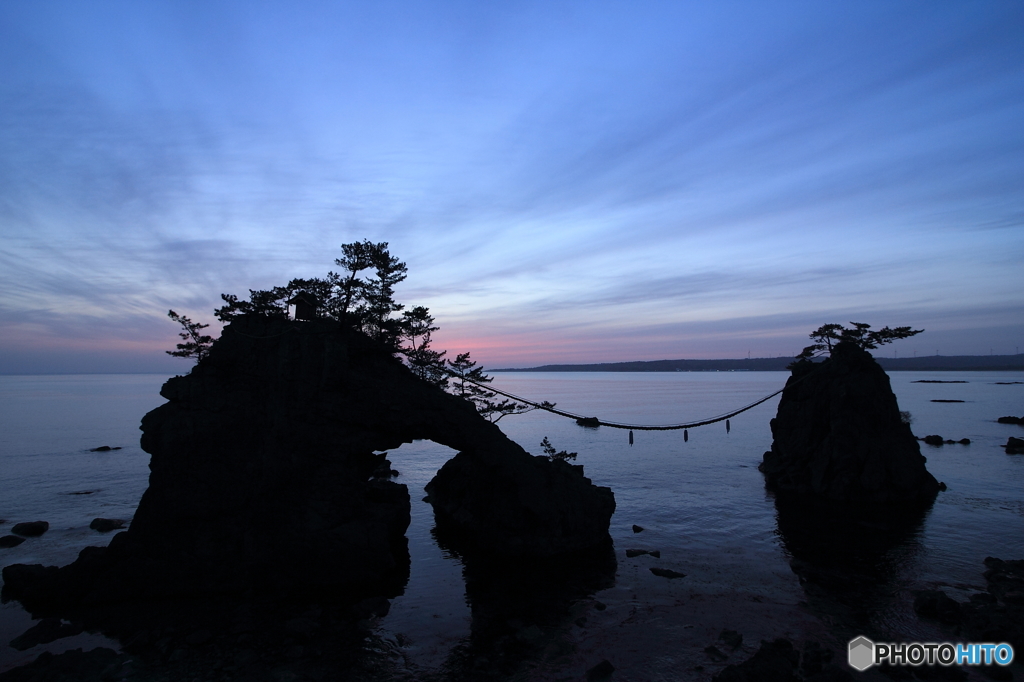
(839,434)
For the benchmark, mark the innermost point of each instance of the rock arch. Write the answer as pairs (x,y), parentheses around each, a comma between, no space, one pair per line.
(261,476)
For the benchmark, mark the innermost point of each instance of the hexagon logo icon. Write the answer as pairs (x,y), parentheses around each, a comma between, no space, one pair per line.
(861,652)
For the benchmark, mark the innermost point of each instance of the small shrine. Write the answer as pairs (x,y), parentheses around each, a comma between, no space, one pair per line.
(306,305)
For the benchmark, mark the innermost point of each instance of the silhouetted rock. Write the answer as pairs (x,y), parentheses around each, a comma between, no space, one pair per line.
(839,435)
(601,671)
(31,529)
(106,525)
(667,573)
(933,440)
(998,616)
(937,605)
(731,638)
(45,631)
(104,448)
(262,479)
(1014,446)
(1011,420)
(90,666)
(10,541)
(630,553)
(637,529)
(715,654)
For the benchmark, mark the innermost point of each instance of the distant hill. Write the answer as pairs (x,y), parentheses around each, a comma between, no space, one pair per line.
(931,363)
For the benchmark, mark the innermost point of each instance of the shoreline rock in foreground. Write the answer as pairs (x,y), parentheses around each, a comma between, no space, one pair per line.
(839,436)
(262,479)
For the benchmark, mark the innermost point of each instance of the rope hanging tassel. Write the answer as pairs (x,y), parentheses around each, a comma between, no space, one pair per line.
(594,421)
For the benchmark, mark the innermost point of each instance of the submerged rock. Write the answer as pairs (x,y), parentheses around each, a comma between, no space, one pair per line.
(262,479)
(838,435)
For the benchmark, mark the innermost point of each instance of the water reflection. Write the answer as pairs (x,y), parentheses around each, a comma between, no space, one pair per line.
(851,559)
(520,606)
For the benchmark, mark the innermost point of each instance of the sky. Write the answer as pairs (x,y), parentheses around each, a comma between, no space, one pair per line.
(567,182)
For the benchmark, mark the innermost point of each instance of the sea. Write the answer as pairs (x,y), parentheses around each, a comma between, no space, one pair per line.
(701,502)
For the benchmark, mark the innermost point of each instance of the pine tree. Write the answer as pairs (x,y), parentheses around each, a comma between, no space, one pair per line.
(195,345)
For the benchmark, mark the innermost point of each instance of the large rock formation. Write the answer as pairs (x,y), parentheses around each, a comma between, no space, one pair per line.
(262,478)
(839,436)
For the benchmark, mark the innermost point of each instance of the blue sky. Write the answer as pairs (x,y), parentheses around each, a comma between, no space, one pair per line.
(567,182)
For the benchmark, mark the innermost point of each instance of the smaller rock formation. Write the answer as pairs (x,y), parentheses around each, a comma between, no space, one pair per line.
(520,506)
(667,573)
(939,440)
(31,529)
(1011,420)
(45,631)
(838,435)
(106,525)
(10,541)
(993,616)
(1014,446)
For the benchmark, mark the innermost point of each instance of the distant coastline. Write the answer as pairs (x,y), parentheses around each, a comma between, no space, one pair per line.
(932,363)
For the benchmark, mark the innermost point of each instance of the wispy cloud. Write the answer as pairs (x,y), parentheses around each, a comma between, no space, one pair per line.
(556,179)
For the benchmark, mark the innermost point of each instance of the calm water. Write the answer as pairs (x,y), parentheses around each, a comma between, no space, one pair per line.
(702,503)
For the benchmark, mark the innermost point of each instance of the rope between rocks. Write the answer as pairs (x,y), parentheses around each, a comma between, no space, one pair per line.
(632,427)
(591,421)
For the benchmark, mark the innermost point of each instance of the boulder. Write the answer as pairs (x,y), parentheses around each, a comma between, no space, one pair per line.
(667,573)
(838,435)
(935,604)
(1013,446)
(262,478)
(45,631)
(10,541)
(31,529)
(997,616)
(106,525)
